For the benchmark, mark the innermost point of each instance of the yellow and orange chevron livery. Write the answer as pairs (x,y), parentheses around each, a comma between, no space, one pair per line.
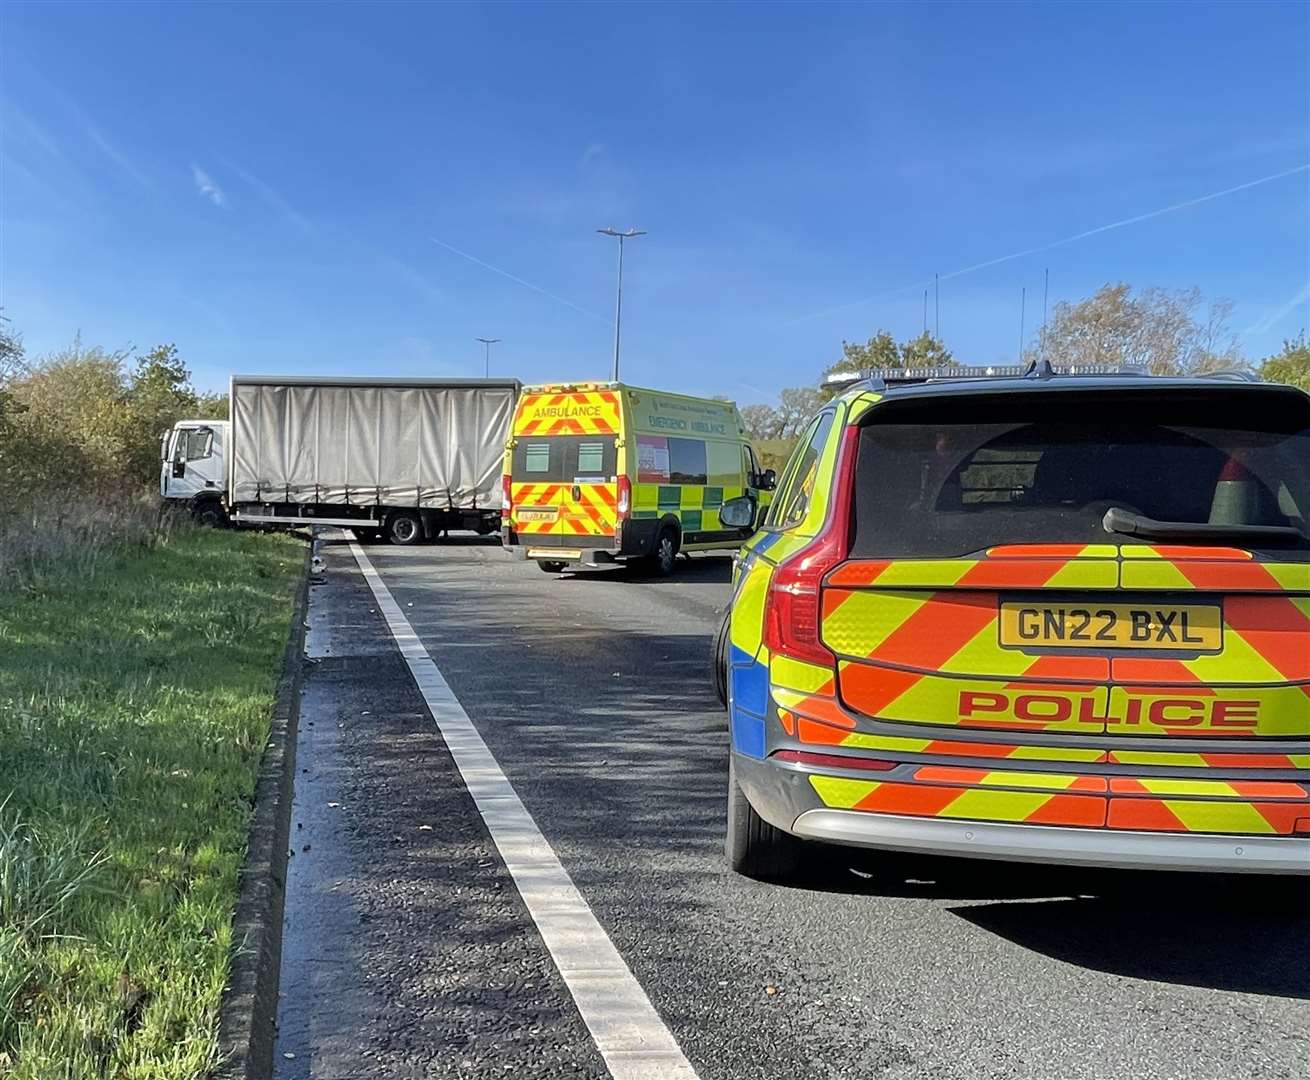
(919,641)
(565,509)
(580,412)
(1045,799)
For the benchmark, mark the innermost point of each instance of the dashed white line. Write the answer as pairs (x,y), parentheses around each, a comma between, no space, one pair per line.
(628,1032)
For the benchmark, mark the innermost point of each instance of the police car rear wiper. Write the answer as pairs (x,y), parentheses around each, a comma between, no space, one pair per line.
(1119,520)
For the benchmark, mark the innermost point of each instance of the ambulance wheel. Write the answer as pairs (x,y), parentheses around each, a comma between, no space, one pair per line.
(662,562)
(404,528)
(719,661)
(552,566)
(753,847)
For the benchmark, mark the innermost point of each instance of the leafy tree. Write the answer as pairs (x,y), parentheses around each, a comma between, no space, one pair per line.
(211,406)
(796,405)
(879,351)
(925,351)
(1167,333)
(762,422)
(73,427)
(1291,366)
(884,351)
(11,362)
(159,393)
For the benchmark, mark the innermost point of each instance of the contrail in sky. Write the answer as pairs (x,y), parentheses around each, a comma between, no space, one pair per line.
(520,281)
(1053,244)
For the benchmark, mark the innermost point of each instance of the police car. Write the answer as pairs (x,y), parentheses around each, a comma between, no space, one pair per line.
(1045,617)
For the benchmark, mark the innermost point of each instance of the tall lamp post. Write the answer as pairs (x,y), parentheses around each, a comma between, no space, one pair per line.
(618,303)
(488,342)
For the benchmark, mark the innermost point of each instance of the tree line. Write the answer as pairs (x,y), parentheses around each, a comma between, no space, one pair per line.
(84,422)
(1161,332)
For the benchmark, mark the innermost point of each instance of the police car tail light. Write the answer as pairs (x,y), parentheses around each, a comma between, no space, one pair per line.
(793,608)
(506,500)
(624,503)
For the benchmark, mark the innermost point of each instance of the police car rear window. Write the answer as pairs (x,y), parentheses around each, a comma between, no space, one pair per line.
(942,478)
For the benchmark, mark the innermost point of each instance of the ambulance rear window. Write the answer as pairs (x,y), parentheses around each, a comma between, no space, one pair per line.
(591,457)
(536,458)
(951,477)
(566,459)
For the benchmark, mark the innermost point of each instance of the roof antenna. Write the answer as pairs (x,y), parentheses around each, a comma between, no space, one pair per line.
(925,312)
(1046,292)
(936,308)
(1023,310)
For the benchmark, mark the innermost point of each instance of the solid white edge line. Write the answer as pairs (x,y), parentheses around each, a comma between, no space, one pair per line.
(628,1032)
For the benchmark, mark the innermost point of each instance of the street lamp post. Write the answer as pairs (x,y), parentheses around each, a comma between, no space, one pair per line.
(488,342)
(618,303)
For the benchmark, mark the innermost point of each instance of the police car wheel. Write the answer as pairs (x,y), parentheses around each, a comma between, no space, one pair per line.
(719,661)
(753,847)
(552,566)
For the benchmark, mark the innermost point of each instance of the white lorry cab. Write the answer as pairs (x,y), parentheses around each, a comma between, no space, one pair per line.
(193,468)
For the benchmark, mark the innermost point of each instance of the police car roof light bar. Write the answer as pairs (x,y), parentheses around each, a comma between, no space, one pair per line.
(881,378)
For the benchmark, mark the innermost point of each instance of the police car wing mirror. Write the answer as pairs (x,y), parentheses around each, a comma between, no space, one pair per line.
(738,513)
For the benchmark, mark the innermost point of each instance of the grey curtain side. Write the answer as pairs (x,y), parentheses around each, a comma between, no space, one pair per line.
(404,446)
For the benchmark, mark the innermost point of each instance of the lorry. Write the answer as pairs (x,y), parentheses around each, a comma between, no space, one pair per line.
(400,459)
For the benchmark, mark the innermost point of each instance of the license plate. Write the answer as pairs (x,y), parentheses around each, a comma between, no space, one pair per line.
(545,513)
(554,553)
(1160,627)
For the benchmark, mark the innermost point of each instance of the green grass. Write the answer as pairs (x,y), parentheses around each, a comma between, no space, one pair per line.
(134,705)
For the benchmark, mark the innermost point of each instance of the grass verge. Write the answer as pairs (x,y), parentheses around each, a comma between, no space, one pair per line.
(134,706)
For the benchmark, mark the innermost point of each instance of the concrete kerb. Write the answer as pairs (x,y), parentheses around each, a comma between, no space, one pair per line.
(247,1023)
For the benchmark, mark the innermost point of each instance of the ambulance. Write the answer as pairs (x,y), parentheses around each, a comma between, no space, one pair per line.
(599,473)
(1045,617)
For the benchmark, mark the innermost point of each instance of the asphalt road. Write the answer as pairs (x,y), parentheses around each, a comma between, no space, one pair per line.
(409,953)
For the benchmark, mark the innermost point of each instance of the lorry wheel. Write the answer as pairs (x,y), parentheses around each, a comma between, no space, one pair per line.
(719,661)
(662,562)
(210,514)
(404,528)
(753,847)
(552,566)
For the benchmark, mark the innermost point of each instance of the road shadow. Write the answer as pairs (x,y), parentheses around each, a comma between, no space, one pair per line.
(1243,936)
(1243,933)
(453,540)
(699,569)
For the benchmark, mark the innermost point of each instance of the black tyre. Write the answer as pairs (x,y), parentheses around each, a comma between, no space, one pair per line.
(719,660)
(664,559)
(405,528)
(552,566)
(210,514)
(753,847)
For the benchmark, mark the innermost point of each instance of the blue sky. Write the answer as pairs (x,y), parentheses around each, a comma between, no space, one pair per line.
(288,189)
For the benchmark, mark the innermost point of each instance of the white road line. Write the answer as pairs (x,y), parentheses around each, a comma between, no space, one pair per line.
(623,1023)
